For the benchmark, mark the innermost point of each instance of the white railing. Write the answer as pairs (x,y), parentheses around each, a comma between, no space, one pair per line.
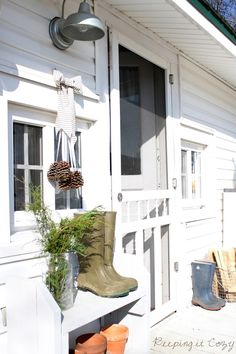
(143,211)
(145,207)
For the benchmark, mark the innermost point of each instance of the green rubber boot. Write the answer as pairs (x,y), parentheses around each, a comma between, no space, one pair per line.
(92,274)
(110,220)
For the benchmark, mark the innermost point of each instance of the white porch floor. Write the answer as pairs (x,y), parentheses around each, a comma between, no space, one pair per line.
(196,331)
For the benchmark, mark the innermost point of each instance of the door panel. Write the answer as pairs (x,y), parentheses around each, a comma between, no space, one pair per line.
(139,171)
(142,116)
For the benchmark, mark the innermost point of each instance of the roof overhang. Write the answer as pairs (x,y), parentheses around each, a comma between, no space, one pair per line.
(181,24)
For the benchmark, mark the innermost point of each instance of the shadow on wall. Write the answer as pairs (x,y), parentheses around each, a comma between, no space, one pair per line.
(9,83)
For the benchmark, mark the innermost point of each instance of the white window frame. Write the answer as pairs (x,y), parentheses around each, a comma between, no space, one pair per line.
(22,221)
(190,148)
(26,167)
(196,137)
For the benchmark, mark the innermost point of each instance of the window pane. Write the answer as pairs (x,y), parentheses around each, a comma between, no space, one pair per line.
(34,142)
(57,149)
(77,149)
(27,153)
(18,141)
(130,121)
(61,200)
(71,199)
(191,166)
(36,177)
(184,161)
(184,173)
(75,199)
(196,174)
(19,190)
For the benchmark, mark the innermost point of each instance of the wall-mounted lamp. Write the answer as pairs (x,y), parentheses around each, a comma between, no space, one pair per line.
(82,26)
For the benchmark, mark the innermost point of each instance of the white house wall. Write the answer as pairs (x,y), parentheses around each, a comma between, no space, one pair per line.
(212,104)
(27,61)
(209,102)
(29,84)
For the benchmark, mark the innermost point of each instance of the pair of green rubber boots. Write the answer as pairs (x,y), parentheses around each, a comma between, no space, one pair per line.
(97,273)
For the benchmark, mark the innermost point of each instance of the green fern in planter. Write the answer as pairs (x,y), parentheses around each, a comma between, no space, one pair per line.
(59,279)
(69,235)
(57,239)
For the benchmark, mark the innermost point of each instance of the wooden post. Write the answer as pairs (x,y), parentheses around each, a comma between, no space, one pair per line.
(33,318)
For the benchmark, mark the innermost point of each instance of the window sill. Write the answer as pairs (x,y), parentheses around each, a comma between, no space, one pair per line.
(23,245)
(196,214)
(24,242)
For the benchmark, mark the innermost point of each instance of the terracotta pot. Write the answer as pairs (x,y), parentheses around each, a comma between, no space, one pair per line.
(117,336)
(91,343)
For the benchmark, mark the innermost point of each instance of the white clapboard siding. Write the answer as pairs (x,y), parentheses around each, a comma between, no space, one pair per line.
(209,102)
(226,164)
(200,236)
(33,49)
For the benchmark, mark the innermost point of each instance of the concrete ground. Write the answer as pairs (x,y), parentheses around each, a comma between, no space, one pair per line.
(196,331)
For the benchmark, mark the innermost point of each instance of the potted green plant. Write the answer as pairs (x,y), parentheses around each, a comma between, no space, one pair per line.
(61,243)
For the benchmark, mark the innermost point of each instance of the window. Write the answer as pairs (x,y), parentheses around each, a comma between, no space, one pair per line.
(191,170)
(29,165)
(197,170)
(28,162)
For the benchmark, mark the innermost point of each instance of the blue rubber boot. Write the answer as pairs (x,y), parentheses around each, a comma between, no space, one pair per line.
(202,278)
(221,301)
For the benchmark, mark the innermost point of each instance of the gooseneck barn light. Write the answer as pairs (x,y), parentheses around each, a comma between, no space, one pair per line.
(81,26)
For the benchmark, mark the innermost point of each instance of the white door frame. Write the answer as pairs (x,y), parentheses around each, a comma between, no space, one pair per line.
(117,39)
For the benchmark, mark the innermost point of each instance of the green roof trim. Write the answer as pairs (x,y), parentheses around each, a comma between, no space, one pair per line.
(207,11)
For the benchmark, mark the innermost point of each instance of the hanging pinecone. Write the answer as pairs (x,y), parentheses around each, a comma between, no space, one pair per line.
(76,180)
(64,184)
(58,170)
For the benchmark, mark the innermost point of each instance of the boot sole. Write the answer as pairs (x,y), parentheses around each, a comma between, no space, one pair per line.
(102,295)
(205,307)
(134,288)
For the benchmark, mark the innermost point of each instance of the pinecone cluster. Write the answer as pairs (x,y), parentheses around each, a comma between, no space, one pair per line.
(60,172)
(76,180)
(73,181)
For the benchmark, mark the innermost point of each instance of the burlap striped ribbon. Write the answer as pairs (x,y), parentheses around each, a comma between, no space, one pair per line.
(66,88)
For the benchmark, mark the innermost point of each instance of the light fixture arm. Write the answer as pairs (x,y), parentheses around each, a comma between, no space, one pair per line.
(62,9)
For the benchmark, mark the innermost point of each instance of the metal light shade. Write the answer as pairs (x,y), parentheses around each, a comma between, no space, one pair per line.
(82,26)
